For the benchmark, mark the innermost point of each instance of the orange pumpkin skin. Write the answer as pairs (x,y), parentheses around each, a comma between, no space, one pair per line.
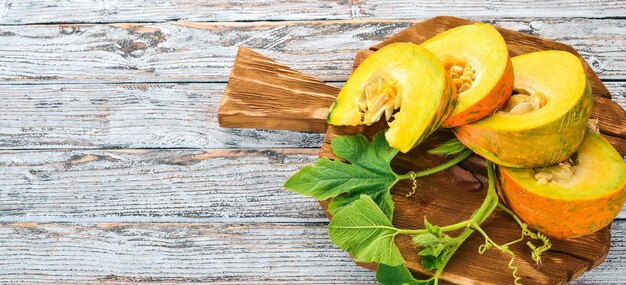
(570,211)
(543,137)
(527,148)
(488,104)
(482,49)
(575,218)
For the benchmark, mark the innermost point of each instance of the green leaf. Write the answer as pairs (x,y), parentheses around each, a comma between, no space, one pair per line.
(374,156)
(436,246)
(450,147)
(363,230)
(398,275)
(368,172)
(383,200)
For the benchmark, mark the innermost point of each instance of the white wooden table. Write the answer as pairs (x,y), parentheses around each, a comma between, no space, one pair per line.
(113,168)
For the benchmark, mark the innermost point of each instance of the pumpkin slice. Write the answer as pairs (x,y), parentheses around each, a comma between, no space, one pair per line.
(478,61)
(572,199)
(545,120)
(403,83)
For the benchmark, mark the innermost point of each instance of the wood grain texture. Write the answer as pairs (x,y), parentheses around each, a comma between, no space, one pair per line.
(263,94)
(160,115)
(216,253)
(190,214)
(36,12)
(167,253)
(242,185)
(177,52)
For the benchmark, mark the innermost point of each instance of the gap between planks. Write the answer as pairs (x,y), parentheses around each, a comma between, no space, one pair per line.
(17,12)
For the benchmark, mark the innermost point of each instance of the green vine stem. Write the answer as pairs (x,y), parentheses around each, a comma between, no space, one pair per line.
(452,162)
(485,210)
(414,175)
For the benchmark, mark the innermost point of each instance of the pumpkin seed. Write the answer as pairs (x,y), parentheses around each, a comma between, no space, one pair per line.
(462,77)
(521,108)
(466,86)
(378,98)
(457,83)
(593,126)
(455,69)
(557,174)
(523,101)
(396,103)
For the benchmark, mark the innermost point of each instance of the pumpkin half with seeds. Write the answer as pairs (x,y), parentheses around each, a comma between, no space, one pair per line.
(545,119)
(478,62)
(402,83)
(577,197)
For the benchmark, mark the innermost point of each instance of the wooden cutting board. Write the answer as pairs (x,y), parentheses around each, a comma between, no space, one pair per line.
(264,94)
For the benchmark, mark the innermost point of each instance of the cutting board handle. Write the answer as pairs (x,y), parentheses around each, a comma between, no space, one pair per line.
(264,94)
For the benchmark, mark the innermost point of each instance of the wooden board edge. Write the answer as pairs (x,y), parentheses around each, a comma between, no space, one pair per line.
(264,94)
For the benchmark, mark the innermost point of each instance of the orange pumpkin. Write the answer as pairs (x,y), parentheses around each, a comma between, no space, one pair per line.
(569,201)
(402,83)
(478,61)
(544,122)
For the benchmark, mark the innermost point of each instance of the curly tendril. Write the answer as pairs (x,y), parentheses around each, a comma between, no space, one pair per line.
(413,177)
(526,232)
(536,250)
(502,248)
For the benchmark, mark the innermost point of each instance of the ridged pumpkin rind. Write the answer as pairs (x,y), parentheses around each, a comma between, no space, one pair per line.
(482,46)
(573,210)
(535,146)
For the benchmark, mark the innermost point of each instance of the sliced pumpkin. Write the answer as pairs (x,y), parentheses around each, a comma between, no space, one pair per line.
(478,61)
(545,120)
(572,199)
(403,83)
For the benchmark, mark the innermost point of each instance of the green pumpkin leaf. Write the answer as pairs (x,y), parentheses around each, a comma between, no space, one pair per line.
(363,230)
(368,172)
(383,200)
(398,275)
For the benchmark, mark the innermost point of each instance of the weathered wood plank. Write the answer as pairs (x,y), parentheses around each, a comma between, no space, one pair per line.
(31,11)
(28,12)
(154,185)
(177,51)
(613,269)
(201,252)
(173,253)
(266,95)
(485,8)
(127,116)
(166,52)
